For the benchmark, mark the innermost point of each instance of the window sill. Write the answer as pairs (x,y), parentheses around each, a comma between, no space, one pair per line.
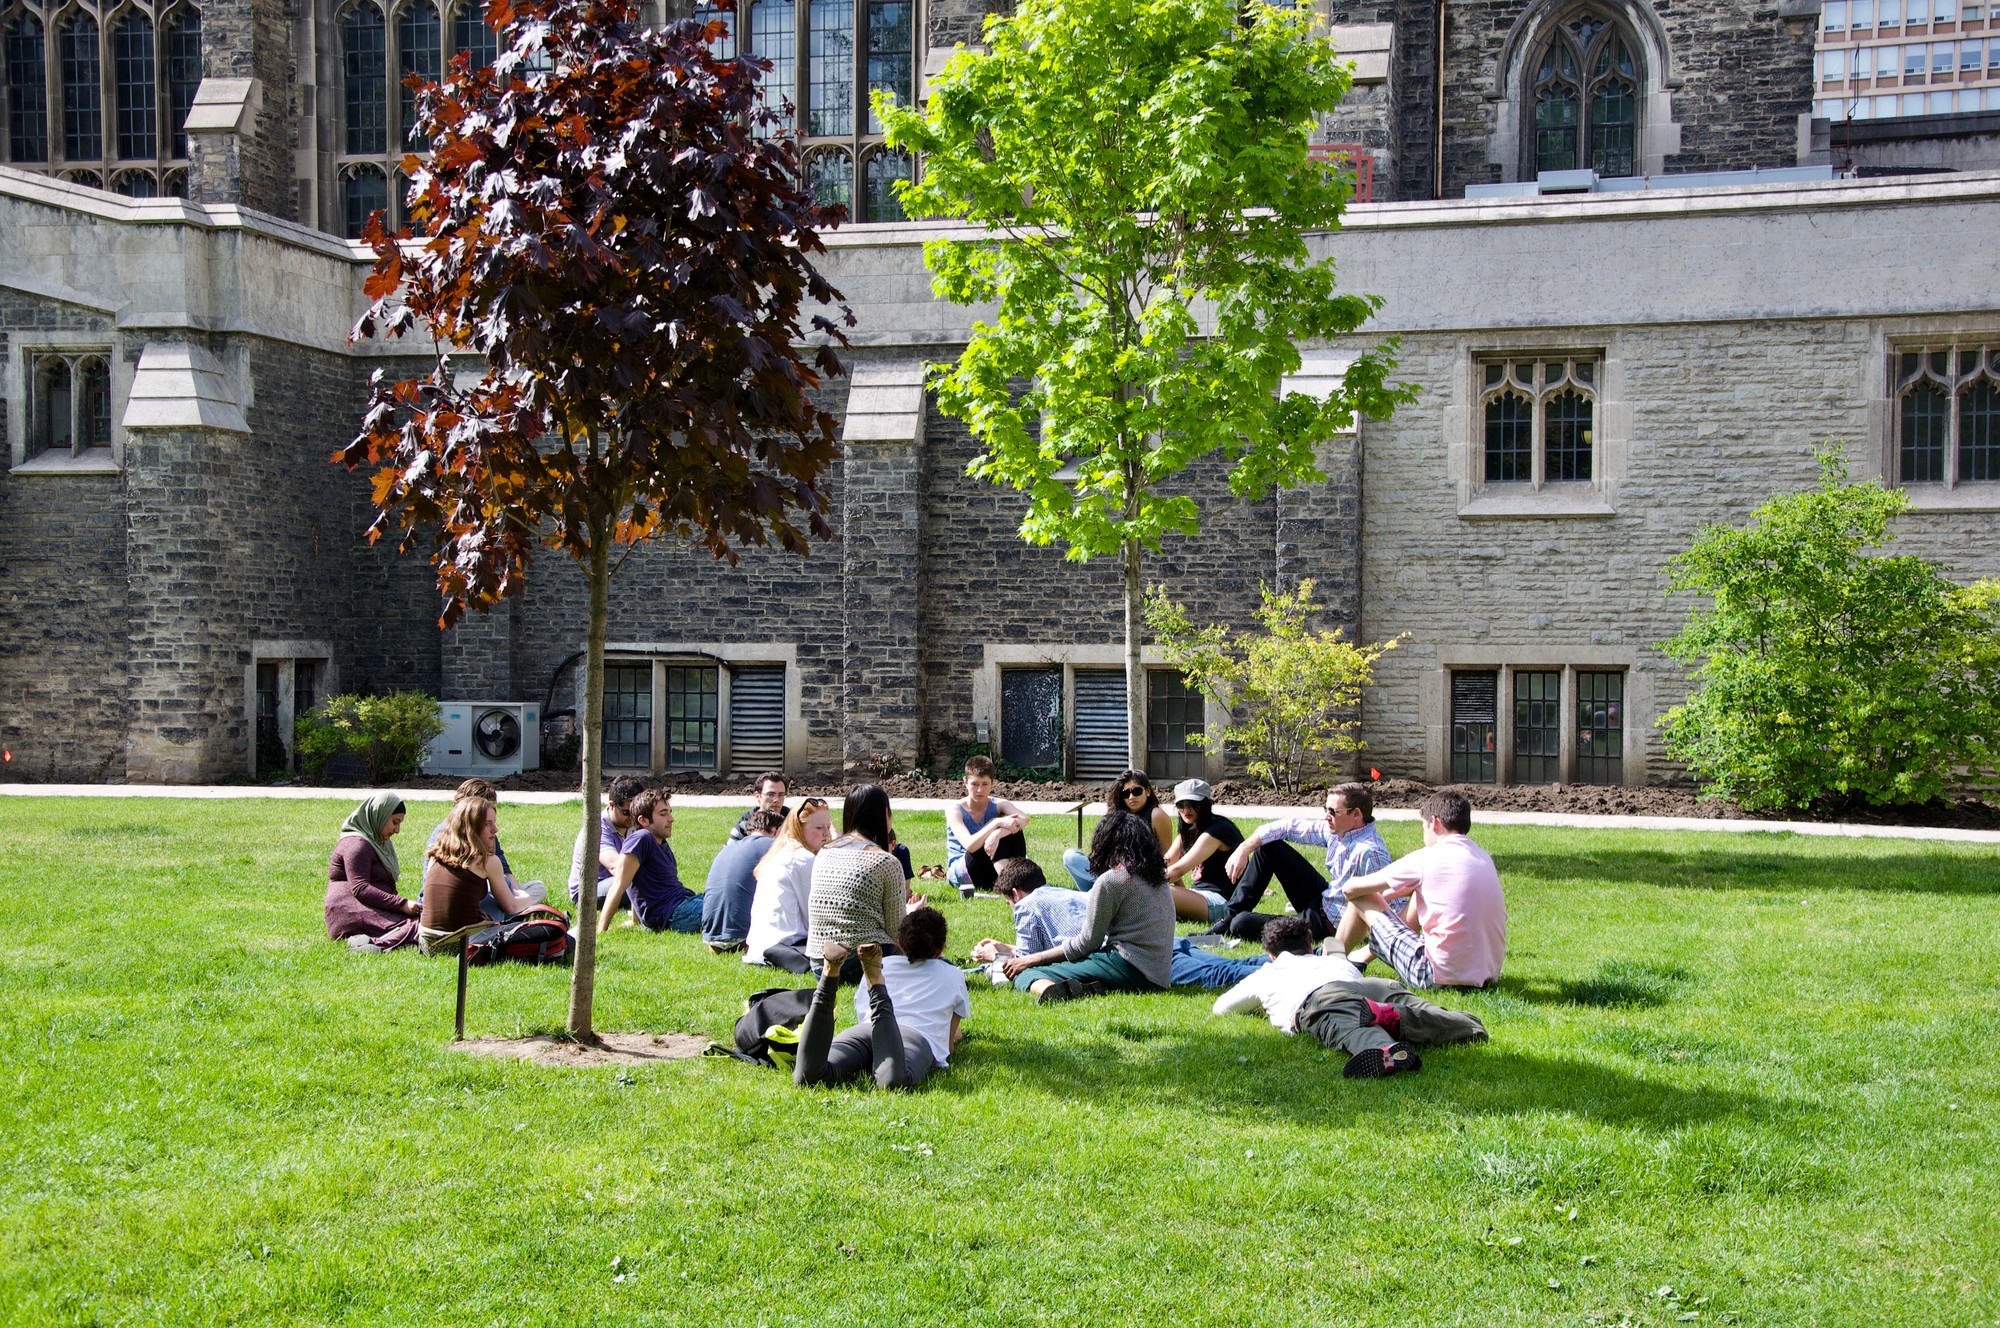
(1512,503)
(1983,496)
(90,461)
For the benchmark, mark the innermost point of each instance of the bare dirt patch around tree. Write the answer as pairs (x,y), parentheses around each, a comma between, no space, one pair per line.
(612,1049)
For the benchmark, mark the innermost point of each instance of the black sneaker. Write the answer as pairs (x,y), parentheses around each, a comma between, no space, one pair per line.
(1381,1062)
(1071,989)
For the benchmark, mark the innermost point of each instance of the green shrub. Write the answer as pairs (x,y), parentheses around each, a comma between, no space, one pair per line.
(388,733)
(1824,673)
(1293,694)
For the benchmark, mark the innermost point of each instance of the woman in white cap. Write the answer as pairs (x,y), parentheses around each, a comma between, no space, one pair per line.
(1201,851)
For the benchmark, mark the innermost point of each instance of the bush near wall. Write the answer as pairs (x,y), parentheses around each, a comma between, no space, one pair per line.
(386,733)
(1828,673)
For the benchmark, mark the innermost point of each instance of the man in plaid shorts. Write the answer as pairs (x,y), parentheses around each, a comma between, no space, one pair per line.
(1454,931)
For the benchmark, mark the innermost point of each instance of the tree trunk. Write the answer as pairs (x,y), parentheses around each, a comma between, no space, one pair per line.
(1135,675)
(583,978)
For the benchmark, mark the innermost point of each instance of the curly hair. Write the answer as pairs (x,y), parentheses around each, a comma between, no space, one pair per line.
(1128,841)
(1290,934)
(922,934)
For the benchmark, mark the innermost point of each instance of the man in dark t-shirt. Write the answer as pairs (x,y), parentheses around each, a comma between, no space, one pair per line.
(613,825)
(771,788)
(732,883)
(648,873)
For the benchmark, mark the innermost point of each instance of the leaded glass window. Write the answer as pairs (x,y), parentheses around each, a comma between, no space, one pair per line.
(470,33)
(1583,99)
(883,170)
(725,45)
(82,91)
(1948,414)
(419,51)
(364,191)
(183,60)
(1031,706)
(364,55)
(70,401)
(27,91)
(827,57)
(1539,420)
(1600,728)
(1537,726)
(138,92)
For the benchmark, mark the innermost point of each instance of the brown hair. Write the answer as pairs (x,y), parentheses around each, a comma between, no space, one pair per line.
(1356,797)
(477,788)
(979,765)
(643,806)
(1023,874)
(1454,809)
(460,844)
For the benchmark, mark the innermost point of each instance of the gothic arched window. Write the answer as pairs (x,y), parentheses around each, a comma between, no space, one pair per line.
(1583,102)
(27,91)
(364,54)
(183,60)
(364,191)
(138,91)
(470,33)
(82,90)
(419,51)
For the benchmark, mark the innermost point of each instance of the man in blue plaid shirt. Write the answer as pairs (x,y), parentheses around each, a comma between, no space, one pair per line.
(1353,848)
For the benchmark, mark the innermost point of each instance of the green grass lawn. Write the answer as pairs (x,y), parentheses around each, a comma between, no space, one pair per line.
(1732,1079)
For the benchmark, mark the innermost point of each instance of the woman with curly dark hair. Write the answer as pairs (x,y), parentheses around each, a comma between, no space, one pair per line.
(1129,907)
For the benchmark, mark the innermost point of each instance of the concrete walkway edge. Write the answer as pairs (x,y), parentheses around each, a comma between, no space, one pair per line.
(1245,816)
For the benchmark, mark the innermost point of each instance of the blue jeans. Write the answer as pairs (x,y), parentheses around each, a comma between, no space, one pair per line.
(1196,967)
(686,917)
(1077,863)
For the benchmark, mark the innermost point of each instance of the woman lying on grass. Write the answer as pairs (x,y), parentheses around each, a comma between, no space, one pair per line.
(906,1011)
(363,906)
(1129,906)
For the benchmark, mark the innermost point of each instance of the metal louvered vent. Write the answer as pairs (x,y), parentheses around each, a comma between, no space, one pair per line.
(1100,748)
(757,718)
(1475,705)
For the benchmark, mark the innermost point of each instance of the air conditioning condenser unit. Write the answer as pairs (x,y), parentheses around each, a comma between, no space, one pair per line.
(491,738)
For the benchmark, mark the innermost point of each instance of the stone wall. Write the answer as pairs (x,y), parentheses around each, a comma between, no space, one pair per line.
(252,39)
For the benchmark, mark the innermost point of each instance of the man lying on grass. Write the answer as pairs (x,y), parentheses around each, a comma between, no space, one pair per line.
(1378,1023)
(1454,931)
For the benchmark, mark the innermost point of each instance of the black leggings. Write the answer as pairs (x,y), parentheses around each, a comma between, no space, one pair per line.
(898,1059)
(1304,887)
(982,864)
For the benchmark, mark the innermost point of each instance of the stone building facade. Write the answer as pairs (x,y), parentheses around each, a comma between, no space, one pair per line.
(1601,376)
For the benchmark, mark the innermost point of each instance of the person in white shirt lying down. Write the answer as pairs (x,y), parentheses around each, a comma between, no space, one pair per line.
(1378,1023)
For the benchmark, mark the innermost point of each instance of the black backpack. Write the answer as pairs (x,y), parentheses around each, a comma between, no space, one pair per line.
(775,1008)
(540,936)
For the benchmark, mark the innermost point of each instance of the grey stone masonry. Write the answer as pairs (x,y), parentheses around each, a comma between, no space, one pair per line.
(881,523)
(252,165)
(475,660)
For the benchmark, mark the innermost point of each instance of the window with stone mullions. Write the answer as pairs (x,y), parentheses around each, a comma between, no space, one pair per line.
(1948,415)
(1584,99)
(826,57)
(1539,419)
(1537,726)
(69,405)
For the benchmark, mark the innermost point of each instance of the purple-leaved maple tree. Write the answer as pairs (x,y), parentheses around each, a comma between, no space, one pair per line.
(611,250)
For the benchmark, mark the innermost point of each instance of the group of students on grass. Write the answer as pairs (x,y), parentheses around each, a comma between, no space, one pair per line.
(788,893)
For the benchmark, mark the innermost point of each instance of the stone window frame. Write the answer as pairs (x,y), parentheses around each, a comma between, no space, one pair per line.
(1434,704)
(1615,36)
(1511,93)
(722,655)
(997,657)
(1464,421)
(162,172)
(1952,493)
(287,655)
(23,395)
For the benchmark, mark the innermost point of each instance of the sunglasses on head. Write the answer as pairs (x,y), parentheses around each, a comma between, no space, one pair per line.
(810,804)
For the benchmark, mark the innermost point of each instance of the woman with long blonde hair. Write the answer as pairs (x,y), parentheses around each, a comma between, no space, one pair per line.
(784,884)
(465,872)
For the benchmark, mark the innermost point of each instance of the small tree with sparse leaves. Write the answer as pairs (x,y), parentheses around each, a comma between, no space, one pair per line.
(628,266)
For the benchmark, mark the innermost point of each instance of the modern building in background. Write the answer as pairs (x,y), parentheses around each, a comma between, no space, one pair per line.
(1630,334)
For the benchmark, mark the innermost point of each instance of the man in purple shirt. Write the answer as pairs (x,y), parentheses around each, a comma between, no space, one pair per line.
(648,873)
(614,823)
(1353,848)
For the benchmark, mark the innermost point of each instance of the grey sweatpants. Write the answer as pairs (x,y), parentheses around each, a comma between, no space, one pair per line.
(898,1059)
(1339,1016)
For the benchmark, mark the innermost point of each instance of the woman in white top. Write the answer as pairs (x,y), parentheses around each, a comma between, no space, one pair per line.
(784,884)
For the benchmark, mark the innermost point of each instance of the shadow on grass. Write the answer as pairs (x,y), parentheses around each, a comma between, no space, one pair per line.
(1781,873)
(1238,1067)
(1618,984)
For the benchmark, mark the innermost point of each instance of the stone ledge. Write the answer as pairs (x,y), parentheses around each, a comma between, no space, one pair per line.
(1974,497)
(1545,504)
(90,461)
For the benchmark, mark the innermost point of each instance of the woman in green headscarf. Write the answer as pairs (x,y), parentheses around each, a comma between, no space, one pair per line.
(363,905)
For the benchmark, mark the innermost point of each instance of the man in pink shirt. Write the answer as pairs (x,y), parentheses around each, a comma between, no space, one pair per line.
(1454,933)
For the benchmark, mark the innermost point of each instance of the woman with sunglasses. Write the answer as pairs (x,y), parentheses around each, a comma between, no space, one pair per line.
(1133,792)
